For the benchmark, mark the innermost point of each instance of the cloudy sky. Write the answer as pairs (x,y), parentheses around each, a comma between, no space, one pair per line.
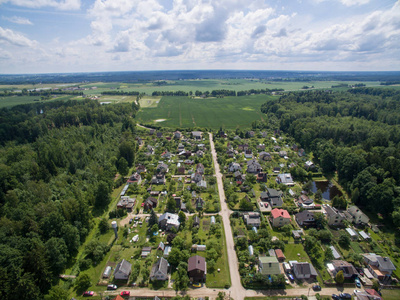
(42,36)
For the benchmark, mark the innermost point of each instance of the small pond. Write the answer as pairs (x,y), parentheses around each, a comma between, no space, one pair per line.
(329,190)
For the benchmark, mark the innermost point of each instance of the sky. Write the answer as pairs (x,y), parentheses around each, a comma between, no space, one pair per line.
(62,36)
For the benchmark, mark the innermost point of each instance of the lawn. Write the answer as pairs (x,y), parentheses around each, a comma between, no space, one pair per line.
(292,250)
(228,112)
(391,294)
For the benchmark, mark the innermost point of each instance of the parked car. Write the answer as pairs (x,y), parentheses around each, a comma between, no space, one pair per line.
(345,296)
(316,287)
(356,291)
(290,277)
(130,221)
(360,271)
(125,293)
(335,297)
(357,282)
(197,285)
(88,294)
(111,287)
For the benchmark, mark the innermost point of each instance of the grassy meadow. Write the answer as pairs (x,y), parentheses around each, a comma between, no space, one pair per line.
(228,112)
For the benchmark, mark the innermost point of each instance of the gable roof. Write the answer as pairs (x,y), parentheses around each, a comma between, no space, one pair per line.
(277,212)
(161,265)
(123,267)
(197,263)
(304,268)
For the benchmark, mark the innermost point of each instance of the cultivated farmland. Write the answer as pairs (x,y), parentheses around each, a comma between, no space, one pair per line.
(228,112)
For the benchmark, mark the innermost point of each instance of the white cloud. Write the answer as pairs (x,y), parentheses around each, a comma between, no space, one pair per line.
(16,39)
(18,20)
(61,5)
(354,2)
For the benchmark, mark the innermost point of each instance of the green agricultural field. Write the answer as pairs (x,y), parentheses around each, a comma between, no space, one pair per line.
(228,112)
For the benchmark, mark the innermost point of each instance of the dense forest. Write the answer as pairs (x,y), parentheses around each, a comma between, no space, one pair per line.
(356,133)
(57,166)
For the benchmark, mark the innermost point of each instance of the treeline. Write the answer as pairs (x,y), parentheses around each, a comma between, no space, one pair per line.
(53,177)
(45,93)
(382,106)
(25,123)
(170,93)
(120,93)
(355,134)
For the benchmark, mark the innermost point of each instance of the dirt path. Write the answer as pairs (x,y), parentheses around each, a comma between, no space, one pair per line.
(236,290)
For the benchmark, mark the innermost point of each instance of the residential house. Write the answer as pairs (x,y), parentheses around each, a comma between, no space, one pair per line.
(268,265)
(357,216)
(305,218)
(135,178)
(158,179)
(162,168)
(189,162)
(197,268)
(202,184)
(380,267)
(282,153)
(264,134)
(197,135)
(250,134)
(177,135)
(140,168)
(305,202)
(253,166)
(285,179)
(301,152)
(294,147)
(167,220)
(122,270)
(200,168)
(196,177)
(159,134)
(252,219)
(262,177)
(152,131)
(272,196)
(199,153)
(243,147)
(181,171)
(127,203)
(166,155)
(239,177)
(260,147)
(248,154)
(276,169)
(277,148)
(365,295)
(279,217)
(181,148)
(199,203)
(159,271)
(334,217)
(150,203)
(304,270)
(348,269)
(234,166)
(265,156)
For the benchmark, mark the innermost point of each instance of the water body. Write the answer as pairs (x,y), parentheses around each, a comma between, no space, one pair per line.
(329,190)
